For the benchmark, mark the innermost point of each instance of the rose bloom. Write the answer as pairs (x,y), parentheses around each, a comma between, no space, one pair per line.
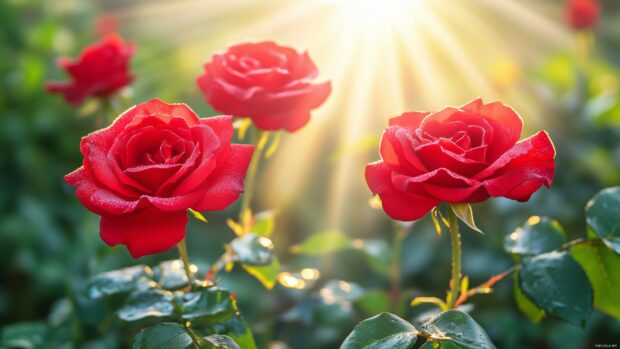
(101,70)
(582,14)
(458,155)
(154,162)
(268,83)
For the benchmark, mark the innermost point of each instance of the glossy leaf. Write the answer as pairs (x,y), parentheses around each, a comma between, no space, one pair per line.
(323,243)
(602,266)
(264,223)
(151,302)
(117,281)
(557,284)
(163,336)
(527,307)
(21,334)
(603,215)
(439,345)
(465,213)
(456,328)
(538,235)
(252,249)
(237,329)
(383,331)
(216,341)
(266,274)
(210,305)
(170,274)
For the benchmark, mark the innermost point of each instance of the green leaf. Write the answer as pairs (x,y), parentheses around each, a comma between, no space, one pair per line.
(384,331)
(237,329)
(151,302)
(538,235)
(264,223)
(602,266)
(439,345)
(163,336)
(466,215)
(252,249)
(458,329)
(24,335)
(527,307)
(208,305)
(170,274)
(373,302)
(117,281)
(323,243)
(557,284)
(377,252)
(198,215)
(603,216)
(266,274)
(217,341)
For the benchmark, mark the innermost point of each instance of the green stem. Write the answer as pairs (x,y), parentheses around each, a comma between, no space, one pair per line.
(456,258)
(251,175)
(183,254)
(219,264)
(400,232)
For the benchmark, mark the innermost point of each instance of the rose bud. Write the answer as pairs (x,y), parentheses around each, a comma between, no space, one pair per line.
(101,70)
(582,14)
(268,83)
(154,162)
(458,155)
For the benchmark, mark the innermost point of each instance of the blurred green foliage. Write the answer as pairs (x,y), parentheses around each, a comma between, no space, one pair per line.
(49,245)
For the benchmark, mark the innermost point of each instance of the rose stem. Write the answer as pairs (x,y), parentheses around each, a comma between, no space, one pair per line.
(183,254)
(257,135)
(400,232)
(456,258)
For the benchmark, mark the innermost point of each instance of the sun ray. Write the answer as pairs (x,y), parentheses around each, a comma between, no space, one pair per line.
(383,57)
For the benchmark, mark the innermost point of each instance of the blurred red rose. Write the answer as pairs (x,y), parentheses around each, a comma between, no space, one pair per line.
(268,83)
(583,14)
(154,162)
(102,69)
(458,155)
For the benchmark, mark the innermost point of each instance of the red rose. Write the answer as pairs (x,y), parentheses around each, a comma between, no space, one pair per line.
(154,162)
(268,83)
(102,69)
(582,14)
(458,155)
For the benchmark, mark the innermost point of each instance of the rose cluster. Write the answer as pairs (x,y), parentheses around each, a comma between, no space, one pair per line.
(157,160)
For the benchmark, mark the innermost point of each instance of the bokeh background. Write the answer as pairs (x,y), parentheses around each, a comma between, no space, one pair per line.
(383,58)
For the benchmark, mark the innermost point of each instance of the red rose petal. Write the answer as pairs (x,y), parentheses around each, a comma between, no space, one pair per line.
(411,120)
(507,125)
(226,183)
(435,156)
(399,205)
(221,125)
(98,199)
(397,150)
(146,232)
(522,170)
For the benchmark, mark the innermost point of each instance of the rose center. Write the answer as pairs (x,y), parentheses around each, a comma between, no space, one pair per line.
(167,154)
